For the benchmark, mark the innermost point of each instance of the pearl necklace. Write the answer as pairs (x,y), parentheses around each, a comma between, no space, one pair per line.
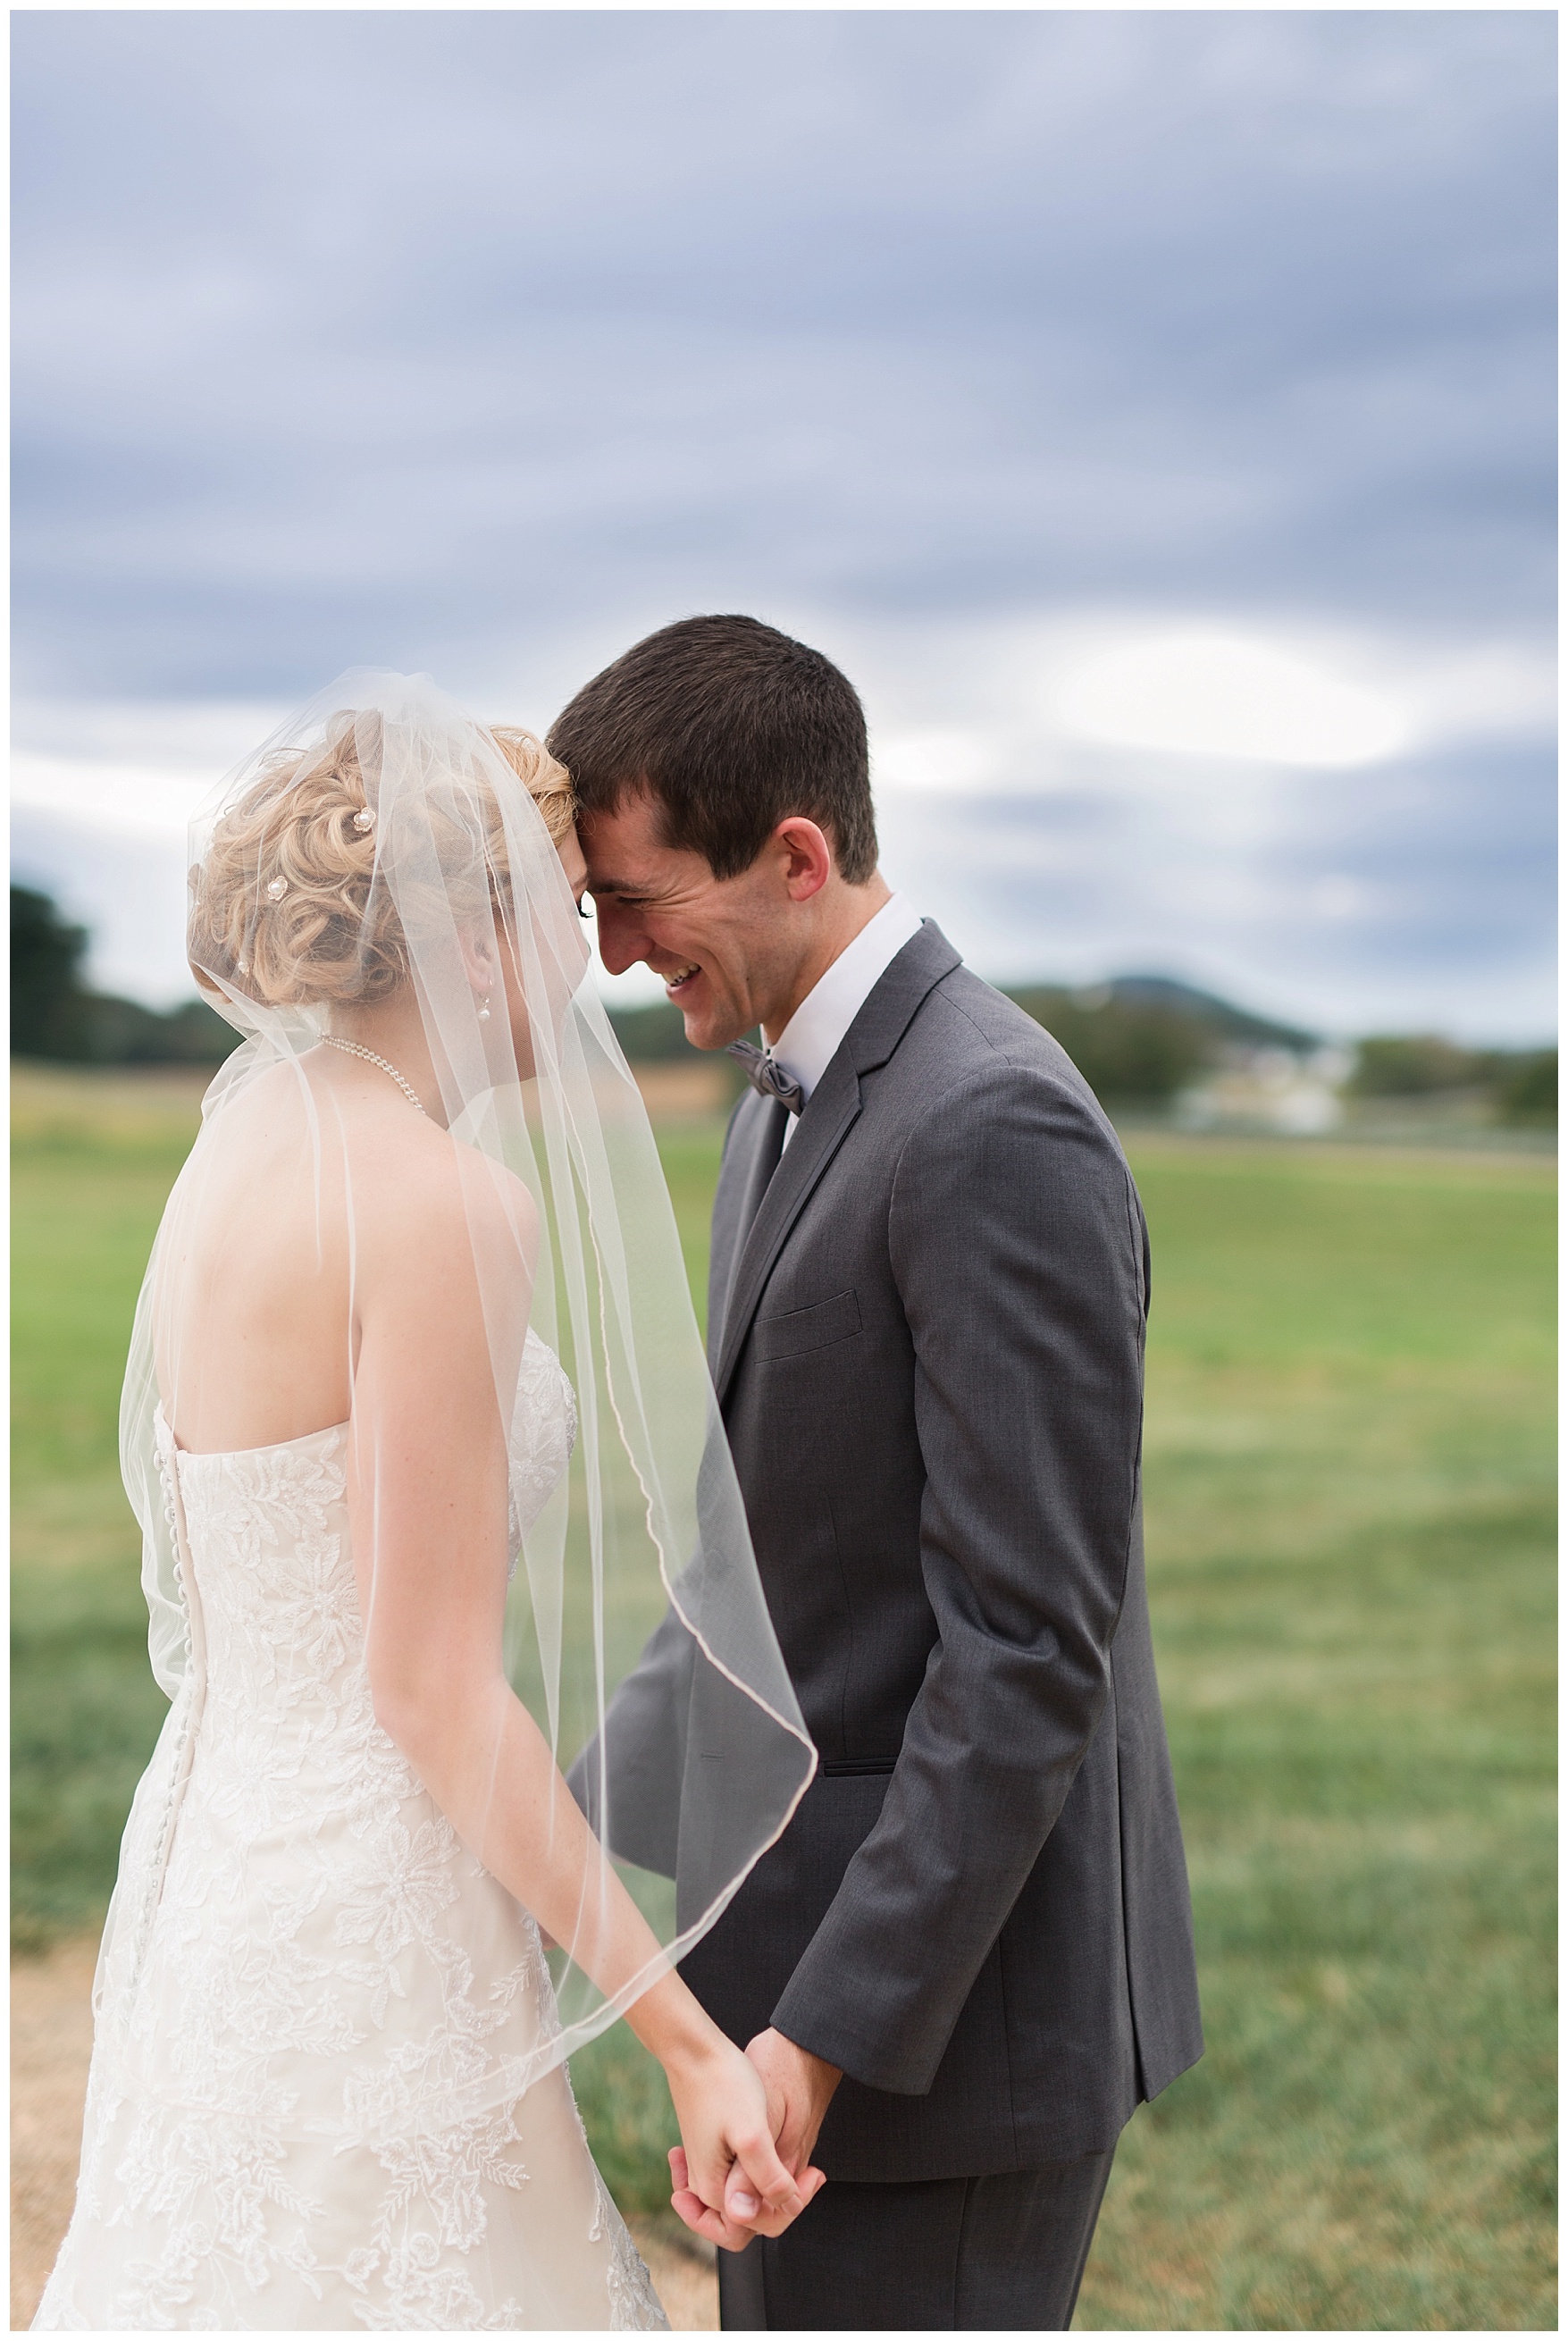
(354,1049)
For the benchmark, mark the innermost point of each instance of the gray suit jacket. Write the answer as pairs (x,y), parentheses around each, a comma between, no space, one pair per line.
(928,1346)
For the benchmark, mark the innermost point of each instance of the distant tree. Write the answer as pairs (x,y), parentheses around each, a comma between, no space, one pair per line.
(47,996)
(1131,1052)
(196,1034)
(654,1034)
(1415,1064)
(1523,1082)
(124,1032)
(1527,1091)
(51,1015)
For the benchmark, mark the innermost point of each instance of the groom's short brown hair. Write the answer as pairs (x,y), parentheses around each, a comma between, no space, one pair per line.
(730,727)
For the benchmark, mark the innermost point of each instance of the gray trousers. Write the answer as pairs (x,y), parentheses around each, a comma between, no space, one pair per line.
(1003,2254)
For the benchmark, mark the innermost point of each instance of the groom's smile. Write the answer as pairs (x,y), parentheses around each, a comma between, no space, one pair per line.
(732,953)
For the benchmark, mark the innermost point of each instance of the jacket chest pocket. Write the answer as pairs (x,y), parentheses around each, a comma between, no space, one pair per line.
(800,1329)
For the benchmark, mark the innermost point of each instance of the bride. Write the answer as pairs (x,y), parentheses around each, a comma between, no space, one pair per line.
(416,1311)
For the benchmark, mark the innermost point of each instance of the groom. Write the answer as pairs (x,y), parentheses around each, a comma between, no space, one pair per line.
(969,1957)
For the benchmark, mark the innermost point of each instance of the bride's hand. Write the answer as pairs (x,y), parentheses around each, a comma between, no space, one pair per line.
(729,2183)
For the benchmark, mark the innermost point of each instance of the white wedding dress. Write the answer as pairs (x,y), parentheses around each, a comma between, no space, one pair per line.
(322,2093)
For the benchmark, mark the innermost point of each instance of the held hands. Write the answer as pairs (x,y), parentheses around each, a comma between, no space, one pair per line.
(769,2183)
(730,2181)
(799,2088)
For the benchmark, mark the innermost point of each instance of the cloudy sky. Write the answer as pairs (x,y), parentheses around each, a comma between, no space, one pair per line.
(1152,413)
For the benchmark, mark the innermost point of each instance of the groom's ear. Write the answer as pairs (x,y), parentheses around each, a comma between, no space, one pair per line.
(806,855)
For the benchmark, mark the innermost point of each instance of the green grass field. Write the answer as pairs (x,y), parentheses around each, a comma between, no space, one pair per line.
(1350,1482)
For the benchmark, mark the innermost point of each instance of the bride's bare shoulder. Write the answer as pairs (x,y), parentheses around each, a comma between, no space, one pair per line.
(446,1204)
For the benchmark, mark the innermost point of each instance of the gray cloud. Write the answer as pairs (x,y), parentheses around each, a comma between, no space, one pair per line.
(484,341)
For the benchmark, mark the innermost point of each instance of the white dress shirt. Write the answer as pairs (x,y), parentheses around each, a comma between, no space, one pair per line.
(809,1041)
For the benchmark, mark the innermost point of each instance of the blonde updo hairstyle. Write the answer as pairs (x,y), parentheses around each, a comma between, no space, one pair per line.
(283,907)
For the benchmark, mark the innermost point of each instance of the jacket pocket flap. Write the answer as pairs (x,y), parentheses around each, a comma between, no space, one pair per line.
(816,1328)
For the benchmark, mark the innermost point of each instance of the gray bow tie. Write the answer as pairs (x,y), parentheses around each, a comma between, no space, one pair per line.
(765,1073)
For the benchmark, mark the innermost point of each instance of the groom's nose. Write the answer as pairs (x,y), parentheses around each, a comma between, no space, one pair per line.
(621,943)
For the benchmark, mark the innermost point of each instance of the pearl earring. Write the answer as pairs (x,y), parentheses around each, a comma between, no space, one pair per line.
(484,1010)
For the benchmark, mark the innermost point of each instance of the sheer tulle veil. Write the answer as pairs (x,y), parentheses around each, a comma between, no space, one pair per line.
(438,834)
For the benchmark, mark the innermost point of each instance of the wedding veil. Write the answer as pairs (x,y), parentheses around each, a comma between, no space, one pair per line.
(426,832)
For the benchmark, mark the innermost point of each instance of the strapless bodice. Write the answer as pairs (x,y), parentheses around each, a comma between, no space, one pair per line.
(543,1434)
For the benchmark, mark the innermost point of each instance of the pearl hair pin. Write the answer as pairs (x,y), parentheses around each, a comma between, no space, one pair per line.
(276,889)
(364,820)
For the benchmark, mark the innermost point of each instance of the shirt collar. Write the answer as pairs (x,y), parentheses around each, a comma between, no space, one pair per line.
(809,1041)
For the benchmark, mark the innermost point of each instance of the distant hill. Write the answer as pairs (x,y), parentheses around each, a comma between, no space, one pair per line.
(1232,1023)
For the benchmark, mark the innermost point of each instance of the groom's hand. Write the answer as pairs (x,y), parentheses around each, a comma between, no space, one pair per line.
(799,2088)
(732,2234)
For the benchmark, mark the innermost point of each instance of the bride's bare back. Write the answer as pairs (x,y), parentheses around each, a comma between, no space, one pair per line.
(321,1180)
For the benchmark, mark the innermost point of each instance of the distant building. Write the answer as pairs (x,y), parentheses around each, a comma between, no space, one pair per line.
(1296,1092)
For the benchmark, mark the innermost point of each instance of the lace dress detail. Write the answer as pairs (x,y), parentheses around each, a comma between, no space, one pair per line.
(324,2094)
(543,1434)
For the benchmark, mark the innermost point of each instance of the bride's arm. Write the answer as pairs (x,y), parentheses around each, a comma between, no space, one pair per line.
(428,1512)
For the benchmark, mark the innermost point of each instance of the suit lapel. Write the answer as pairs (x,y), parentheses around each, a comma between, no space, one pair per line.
(832,1110)
(806,1158)
(750,1156)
